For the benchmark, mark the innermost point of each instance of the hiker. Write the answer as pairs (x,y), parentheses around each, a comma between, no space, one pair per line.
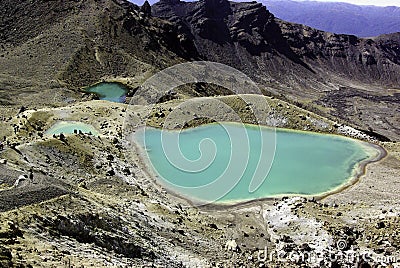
(31,175)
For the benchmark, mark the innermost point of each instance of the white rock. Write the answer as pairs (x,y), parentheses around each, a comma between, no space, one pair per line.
(231,245)
(20,178)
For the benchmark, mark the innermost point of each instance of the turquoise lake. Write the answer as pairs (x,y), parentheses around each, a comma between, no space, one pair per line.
(68,127)
(113,92)
(201,164)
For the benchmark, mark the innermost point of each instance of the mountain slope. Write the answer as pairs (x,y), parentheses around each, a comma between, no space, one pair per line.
(363,21)
(70,44)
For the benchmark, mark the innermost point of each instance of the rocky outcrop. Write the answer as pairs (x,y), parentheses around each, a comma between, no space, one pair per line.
(146,9)
(220,29)
(103,232)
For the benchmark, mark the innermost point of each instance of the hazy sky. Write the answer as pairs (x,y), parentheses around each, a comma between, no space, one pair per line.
(366,2)
(356,2)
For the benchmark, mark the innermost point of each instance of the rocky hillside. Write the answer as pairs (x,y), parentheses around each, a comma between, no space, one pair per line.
(49,46)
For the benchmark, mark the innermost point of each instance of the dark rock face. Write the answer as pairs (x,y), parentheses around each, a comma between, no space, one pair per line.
(146,9)
(222,25)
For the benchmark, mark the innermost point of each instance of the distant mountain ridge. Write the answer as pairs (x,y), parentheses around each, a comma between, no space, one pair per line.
(336,17)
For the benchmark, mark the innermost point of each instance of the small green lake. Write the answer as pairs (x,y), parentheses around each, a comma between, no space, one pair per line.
(114,92)
(70,127)
(218,162)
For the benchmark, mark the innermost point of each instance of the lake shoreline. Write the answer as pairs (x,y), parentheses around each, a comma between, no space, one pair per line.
(359,171)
